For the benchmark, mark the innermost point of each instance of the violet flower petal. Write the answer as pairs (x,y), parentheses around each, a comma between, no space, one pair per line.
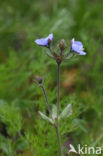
(44,41)
(77,46)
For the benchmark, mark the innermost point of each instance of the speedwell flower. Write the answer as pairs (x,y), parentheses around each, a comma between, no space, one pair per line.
(45,41)
(77,47)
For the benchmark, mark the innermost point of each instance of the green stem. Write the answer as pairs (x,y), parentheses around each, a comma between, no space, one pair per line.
(58,89)
(58,105)
(59,139)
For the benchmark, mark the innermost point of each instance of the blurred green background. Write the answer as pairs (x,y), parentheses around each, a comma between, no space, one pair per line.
(22,132)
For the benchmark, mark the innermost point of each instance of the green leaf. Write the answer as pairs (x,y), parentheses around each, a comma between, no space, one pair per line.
(43,116)
(66,112)
(54,112)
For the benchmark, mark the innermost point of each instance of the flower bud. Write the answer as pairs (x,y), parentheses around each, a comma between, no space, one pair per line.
(62,45)
(39,80)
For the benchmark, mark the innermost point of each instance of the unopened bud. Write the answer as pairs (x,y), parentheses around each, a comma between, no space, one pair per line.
(38,80)
(62,45)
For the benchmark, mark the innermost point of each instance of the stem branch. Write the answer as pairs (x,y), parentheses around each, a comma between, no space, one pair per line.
(46,99)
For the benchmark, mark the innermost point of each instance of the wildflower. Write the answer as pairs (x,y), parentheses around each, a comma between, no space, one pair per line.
(45,41)
(77,47)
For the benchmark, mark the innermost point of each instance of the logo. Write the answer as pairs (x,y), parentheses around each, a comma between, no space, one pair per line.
(85,150)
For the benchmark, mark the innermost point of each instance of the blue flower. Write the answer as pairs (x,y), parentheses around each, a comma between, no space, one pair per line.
(77,47)
(45,41)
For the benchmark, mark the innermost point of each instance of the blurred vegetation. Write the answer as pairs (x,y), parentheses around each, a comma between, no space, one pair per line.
(22,132)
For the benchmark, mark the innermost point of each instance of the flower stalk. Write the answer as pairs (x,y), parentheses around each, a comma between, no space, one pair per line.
(58,106)
(58,88)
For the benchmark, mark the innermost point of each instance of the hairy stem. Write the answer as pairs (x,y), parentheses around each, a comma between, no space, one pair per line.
(58,105)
